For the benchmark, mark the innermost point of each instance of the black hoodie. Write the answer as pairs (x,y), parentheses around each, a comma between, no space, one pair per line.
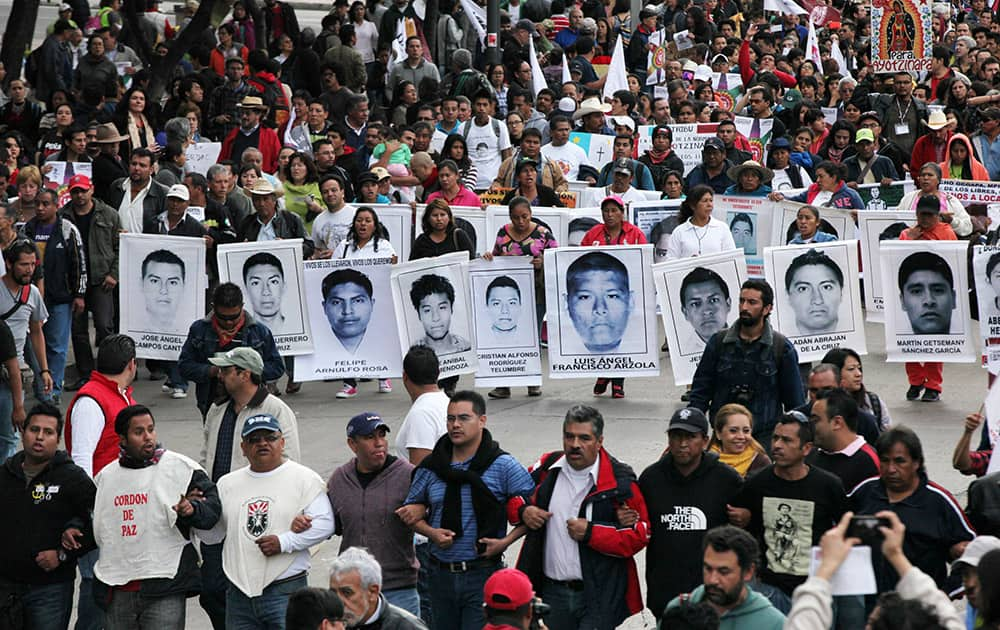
(37,513)
(681,509)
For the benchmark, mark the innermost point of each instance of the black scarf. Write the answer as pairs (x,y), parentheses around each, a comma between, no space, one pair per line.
(488,510)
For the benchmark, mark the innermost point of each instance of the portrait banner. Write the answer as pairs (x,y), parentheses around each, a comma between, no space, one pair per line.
(833,221)
(972,192)
(202,155)
(879,198)
(398,222)
(817,299)
(350,312)
(986,279)
(503,299)
(431,296)
(556,219)
(657,220)
(580,220)
(475,222)
(689,140)
(57,178)
(926,308)
(873,228)
(601,312)
(273,289)
(749,219)
(162,289)
(902,36)
(698,297)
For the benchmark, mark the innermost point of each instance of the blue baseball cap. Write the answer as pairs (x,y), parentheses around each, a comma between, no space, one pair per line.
(260,422)
(781,143)
(365,423)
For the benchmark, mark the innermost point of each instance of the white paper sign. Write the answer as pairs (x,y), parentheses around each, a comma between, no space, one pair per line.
(202,155)
(854,577)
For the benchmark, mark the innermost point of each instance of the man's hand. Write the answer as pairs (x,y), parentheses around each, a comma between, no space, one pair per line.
(443,538)
(48,560)
(577,528)
(78,305)
(411,514)
(913,233)
(109,283)
(269,545)
(301,523)
(494,547)
(536,262)
(627,516)
(886,181)
(751,31)
(535,517)
(17,416)
(184,507)
(739,517)
(209,242)
(834,547)
(69,539)
(972,422)
(46,381)
(322,254)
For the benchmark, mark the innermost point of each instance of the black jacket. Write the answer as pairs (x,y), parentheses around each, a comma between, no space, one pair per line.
(63,262)
(286,225)
(153,204)
(36,514)
(190,226)
(106,170)
(681,510)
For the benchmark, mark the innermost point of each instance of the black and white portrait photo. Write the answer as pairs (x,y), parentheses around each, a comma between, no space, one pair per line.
(657,220)
(352,319)
(874,228)
(162,291)
(601,304)
(431,297)
(743,226)
(751,222)
(273,291)
(926,308)
(986,274)
(698,297)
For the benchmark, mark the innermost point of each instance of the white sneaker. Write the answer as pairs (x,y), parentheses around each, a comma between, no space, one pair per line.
(384,386)
(166,388)
(178,393)
(348,392)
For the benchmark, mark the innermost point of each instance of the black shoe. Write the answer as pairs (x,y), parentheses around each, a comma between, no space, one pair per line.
(156,375)
(76,385)
(931,395)
(914,392)
(686,396)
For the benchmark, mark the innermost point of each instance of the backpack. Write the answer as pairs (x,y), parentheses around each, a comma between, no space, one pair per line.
(470,82)
(274,97)
(467,127)
(31,66)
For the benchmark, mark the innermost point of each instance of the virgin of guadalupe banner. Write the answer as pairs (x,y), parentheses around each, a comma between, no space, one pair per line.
(398,222)
(601,312)
(273,289)
(728,87)
(698,297)
(873,228)
(902,36)
(926,309)
(832,221)
(758,132)
(817,299)
(163,285)
(349,308)
(749,219)
(986,279)
(431,297)
(503,300)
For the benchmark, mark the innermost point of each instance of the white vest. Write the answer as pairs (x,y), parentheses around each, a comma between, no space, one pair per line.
(134,521)
(255,505)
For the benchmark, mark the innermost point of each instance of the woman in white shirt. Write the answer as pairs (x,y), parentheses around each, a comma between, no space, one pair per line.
(366,240)
(699,233)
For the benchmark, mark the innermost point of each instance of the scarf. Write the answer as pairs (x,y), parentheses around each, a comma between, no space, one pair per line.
(487,508)
(127,461)
(741,462)
(226,336)
(140,137)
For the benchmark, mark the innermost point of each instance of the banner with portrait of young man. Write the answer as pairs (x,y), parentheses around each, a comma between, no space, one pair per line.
(505,317)
(874,228)
(657,220)
(601,312)
(698,297)
(162,291)
(273,289)
(431,297)
(817,299)
(749,219)
(350,312)
(926,309)
(986,280)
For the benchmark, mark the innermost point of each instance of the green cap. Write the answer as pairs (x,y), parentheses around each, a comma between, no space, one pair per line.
(244,358)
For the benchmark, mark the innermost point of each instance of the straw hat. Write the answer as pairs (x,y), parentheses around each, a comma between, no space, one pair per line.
(252,102)
(108,134)
(591,106)
(936,120)
(765,173)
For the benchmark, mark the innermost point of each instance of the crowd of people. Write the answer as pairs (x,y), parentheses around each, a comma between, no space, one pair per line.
(770,458)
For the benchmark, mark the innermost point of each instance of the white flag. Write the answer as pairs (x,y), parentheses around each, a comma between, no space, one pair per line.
(538,82)
(838,55)
(566,78)
(399,42)
(784,6)
(812,48)
(617,78)
(477,15)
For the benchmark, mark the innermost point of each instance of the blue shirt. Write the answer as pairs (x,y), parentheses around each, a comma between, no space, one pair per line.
(505,478)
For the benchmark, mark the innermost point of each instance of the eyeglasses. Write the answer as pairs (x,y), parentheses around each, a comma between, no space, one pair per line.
(255,438)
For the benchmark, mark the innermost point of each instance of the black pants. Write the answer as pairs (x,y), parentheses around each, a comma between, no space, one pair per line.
(100,303)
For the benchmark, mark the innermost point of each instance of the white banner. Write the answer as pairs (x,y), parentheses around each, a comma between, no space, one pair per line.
(163,285)
(873,228)
(201,155)
(749,219)
(817,299)
(926,308)
(431,298)
(689,140)
(657,220)
(601,312)
(273,289)
(503,301)
(698,297)
(481,237)
(556,219)
(972,192)
(986,279)
(398,221)
(351,314)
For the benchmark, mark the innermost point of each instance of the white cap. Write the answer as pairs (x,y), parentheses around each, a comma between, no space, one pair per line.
(179,191)
(703,73)
(64,7)
(976,549)
(567,104)
(623,121)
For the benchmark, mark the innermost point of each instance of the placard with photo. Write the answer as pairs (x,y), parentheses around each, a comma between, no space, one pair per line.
(657,220)
(833,221)
(556,219)
(398,222)
(749,220)
(874,228)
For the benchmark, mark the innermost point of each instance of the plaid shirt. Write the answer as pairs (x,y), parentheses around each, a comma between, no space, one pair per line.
(979,462)
(224,101)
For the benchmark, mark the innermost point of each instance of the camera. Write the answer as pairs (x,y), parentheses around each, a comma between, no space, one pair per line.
(866,528)
(742,394)
(538,611)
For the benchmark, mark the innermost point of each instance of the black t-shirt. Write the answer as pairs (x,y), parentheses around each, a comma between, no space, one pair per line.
(8,350)
(788,518)
(366,478)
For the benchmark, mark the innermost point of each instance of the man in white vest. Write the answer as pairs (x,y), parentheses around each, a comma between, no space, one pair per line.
(148,500)
(264,561)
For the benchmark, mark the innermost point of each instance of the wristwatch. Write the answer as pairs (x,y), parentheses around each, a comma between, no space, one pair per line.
(62,556)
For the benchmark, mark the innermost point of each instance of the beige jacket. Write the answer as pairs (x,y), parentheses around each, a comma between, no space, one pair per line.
(262,402)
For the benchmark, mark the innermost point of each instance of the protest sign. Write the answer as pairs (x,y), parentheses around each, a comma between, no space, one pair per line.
(902,38)
(202,155)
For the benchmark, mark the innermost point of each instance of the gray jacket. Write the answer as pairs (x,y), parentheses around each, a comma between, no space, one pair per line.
(101,247)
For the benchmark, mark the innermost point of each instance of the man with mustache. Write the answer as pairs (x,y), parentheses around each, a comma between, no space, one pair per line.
(730,562)
(356,577)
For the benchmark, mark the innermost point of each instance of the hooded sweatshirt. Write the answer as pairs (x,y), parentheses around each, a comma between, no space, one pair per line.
(755,613)
(977,171)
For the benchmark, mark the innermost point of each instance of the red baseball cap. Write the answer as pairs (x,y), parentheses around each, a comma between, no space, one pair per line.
(80,181)
(507,589)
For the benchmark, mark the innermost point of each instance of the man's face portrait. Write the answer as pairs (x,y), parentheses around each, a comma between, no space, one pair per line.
(599,304)
(504,306)
(705,307)
(162,289)
(743,236)
(265,285)
(348,308)
(993,277)
(928,299)
(815,293)
(660,247)
(435,312)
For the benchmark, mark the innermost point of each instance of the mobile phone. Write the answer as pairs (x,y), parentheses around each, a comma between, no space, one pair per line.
(866,528)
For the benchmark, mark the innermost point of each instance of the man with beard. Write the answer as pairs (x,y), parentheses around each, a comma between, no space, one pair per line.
(762,366)
(356,577)
(730,558)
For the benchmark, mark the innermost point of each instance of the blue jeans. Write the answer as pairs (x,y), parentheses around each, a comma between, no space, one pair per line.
(48,607)
(8,440)
(406,598)
(264,612)
(457,598)
(423,583)
(132,611)
(88,615)
(213,585)
(56,331)
(174,378)
(569,607)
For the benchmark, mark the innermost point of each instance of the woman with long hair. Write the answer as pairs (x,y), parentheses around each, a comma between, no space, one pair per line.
(404,96)
(243,25)
(457,150)
(134,123)
(301,184)
(828,190)
(699,233)
(13,142)
(852,380)
(732,439)
(52,142)
(839,145)
(959,161)
(451,188)
(527,185)
(366,33)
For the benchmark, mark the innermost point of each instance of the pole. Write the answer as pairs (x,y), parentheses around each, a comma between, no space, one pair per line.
(493,31)
(634,14)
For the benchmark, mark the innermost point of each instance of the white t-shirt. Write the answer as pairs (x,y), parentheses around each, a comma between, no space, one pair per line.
(485,148)
(424,424)
(690,240)
(330,228)
(33,311)
(569,157)
(346,250)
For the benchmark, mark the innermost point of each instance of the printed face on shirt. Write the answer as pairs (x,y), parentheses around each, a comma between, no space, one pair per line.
(928,301)
(162,289)
(265,286)
(348,308)
(705,307)
(599,304)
